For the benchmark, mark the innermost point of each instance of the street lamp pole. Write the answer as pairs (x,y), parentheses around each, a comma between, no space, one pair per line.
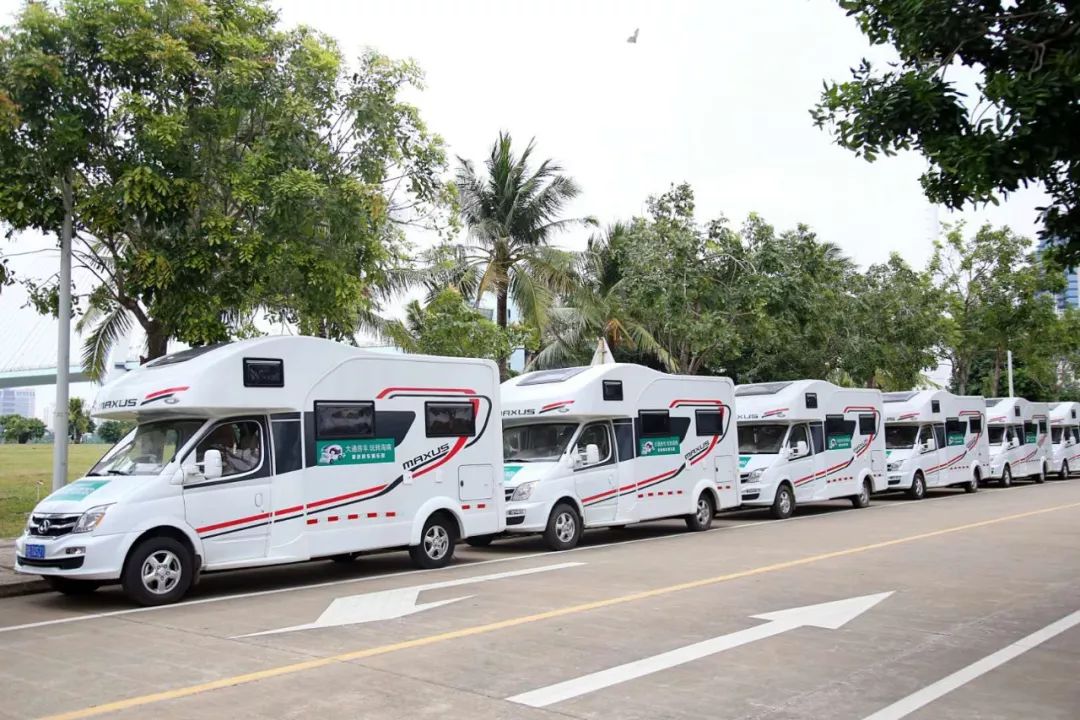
(63,345)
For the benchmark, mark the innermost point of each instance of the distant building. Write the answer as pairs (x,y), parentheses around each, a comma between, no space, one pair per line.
(1070,296)
(14,401)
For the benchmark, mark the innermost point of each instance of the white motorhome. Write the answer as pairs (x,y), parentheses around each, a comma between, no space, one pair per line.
(1019,436)
(1065,438)
(275,450)
(807,441)
(615,444)
(935,439)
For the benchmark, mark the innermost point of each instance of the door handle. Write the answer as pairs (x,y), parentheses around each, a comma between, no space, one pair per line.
(258,500)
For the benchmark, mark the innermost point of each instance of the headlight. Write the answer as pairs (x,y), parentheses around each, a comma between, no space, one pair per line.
(524,491)
(90,519)
(755,475)
(894,466)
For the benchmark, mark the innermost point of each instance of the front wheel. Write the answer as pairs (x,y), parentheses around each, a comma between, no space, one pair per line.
(1006,477)
(863,498)
(917,491)
(973,485)
(158,571)
(437,540)
(784,503)
(564,527)
(1041,477)
(71,586)
(702,519)
(1064,470)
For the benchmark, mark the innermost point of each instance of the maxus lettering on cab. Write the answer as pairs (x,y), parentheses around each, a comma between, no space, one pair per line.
(518,412)
(430,454)
(107,405)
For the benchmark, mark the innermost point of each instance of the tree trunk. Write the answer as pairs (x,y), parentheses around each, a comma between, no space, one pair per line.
(995,377)
(157,343)
(500,320)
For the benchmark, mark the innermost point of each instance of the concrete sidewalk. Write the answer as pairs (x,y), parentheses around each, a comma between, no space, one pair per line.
(12,583)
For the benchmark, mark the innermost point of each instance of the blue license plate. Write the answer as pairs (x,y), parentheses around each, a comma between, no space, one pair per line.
(35,552)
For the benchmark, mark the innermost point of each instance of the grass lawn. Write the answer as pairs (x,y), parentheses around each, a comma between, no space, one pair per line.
(26,476)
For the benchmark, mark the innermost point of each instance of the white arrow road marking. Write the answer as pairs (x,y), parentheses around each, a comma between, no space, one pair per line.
(399,602)
(830,615)
(930,693)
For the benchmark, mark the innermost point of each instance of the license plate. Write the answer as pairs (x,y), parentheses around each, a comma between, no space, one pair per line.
(35,552)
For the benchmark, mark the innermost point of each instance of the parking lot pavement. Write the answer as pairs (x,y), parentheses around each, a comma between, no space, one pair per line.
(647,622)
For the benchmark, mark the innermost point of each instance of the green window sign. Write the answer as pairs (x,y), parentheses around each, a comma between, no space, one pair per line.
(955,439)
(354,452)
(839,442)
(1030,438)
(650,446)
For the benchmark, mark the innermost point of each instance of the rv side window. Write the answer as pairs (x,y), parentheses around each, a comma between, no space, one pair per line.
(624,439)
(797,435)
(613,390)
(1056,434)
(1042,427)
(955,431)
(1031,433)
(838,432)
(594,434)
(867,425)
(287,446)
(975,423)
(344,420)
(450,419)
(817,437)
(935,406)
(264,372)
(655,423)
(939,434)
(811,401)
(1019,434)
(240,444)
(709,422)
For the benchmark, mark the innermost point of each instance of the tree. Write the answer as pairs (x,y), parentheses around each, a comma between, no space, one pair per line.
(216,165)
(449,327)
(512,212)
(79,422)
(113,431)
(22,429)
(1019,129)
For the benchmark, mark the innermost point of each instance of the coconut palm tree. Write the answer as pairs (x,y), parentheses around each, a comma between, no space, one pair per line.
(512,211)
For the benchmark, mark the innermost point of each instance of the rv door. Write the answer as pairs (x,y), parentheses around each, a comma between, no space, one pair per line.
(595,473)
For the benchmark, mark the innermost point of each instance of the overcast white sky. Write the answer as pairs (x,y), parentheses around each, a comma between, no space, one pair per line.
(714,93)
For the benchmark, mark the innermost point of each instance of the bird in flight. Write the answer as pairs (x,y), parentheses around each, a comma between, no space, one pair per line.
(633,38)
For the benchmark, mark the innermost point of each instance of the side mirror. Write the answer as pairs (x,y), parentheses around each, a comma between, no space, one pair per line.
(212,464)
(800,450)
(592,454)
(928,445)
(1014,443)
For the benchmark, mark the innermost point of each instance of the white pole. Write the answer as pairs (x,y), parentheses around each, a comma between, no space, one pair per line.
(1008,356)
(63,348)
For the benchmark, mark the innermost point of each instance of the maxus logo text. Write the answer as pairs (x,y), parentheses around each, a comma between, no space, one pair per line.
(518,413)
(117,404)
(700,448)
(409,464)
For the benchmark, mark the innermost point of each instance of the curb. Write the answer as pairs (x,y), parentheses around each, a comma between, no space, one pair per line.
(27,587)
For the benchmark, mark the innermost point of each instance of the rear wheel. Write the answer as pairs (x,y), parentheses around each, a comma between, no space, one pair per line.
(71,586)
(784,503)
(703,517)
(437,539)
(564,527)
(863,498)
(480,540)
(1064,470)
(1041,477)
(973,485)
(917,491)
(1006,477)
(158,571)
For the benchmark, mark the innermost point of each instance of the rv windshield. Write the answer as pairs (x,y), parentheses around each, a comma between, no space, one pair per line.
(1055,435)
(536,443)
(764,439)
(996,433)
(147,449)
(900,437)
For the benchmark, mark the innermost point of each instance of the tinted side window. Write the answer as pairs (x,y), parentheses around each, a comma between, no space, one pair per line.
(450,419)
(655,423)
(1031,431)
(867,424)
(287,450)
(939,434)
(817,436)
(838,432)
(797,435)
(240,444)
(344,420)
(596,434)
(975,423)
(624,439)
(955,431)
(709,422)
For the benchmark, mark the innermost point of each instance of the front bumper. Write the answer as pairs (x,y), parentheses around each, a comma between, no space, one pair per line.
(527,516)
(757,493)
(101,556)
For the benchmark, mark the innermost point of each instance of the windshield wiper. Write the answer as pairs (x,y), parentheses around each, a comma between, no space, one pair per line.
(117,472)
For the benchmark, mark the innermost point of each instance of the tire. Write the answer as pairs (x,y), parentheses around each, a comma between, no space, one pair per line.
(437,540)
(563,528)
(783,505)
(702,519)
(1064,473)
(480,540)
(345,558)
(158,571)
(71,586)
(972,485)
(1006,477)
(917,491)
(1041,477)
(863,498)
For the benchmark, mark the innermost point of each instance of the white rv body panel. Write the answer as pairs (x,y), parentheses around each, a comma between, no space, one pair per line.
(774,417)
(645,475)
(314,480)
(1019,438)
(1065,437)
(936,435)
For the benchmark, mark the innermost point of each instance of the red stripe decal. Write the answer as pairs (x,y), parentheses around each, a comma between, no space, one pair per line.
(481,506)
(286,511)
(332,518)
(312,521)
(445,458)
(466,507)
(347,496)
(354,516)
(680,401)
(552,406)
(166,391)
(231,523)
(699,458)
(391,514)
(373,515)
(387,391)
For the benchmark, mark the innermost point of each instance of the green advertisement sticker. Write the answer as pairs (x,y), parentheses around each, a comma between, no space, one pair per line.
(1030,438)
(509,471)
(839,442)
(648,447)
(744,460)
(77,490)
(354,452)
(955,439)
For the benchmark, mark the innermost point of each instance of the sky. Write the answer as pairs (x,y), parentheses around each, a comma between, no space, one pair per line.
(714,93)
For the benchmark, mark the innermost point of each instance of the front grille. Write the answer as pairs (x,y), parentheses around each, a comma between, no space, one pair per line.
(72,563)
(509,493)
(515,520)
(52,525)
(744,476)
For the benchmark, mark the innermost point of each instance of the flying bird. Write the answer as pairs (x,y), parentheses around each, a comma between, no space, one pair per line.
(633,38)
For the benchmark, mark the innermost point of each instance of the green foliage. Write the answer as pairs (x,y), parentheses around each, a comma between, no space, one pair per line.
(22,430)
(112,431)
(79,422)
(220,166)
(1020,126)
(447,326)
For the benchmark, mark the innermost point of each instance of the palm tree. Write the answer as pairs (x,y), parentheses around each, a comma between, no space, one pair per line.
(596,310)
(512,211)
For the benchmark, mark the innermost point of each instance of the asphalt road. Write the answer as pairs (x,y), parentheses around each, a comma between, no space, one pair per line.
(960,606)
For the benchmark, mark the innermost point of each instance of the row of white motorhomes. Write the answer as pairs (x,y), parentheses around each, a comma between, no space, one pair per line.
(280,450)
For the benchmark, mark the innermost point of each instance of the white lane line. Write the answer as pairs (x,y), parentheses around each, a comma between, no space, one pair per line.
(513,558)
(930,693)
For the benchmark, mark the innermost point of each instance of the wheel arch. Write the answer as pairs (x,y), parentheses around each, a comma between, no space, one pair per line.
(432,507)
